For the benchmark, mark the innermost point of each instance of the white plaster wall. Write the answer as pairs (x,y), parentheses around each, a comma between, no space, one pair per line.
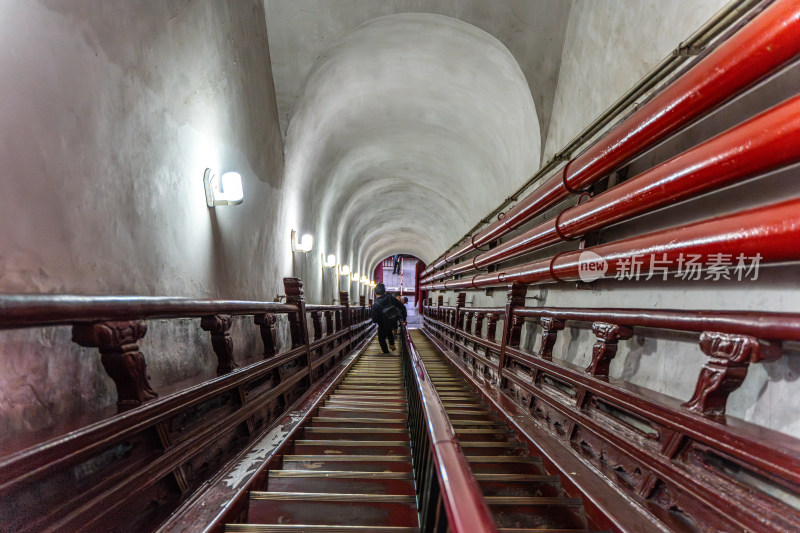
(609,46)
(110,112)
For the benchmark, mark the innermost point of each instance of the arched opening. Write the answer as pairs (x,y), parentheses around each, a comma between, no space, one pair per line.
(400,274)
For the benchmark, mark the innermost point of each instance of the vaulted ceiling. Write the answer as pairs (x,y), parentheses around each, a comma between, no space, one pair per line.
(405,121)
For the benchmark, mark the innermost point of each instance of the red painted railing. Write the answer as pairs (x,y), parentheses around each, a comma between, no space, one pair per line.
(759,48)
(159,449)
(687,464)
(431,433)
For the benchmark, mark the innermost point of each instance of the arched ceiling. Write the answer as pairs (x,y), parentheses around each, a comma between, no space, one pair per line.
(408,129)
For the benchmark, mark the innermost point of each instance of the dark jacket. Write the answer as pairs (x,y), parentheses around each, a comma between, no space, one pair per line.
(381,303)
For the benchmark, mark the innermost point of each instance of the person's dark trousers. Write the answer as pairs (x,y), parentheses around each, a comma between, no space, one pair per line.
(384,334)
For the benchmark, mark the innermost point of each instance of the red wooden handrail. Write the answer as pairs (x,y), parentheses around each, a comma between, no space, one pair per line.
(32,310)
(767,326)
(757,49)
(763,143)
(466,509)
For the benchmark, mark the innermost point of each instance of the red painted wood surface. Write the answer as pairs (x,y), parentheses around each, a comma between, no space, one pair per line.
(466,509)
(130,471)
(690,466)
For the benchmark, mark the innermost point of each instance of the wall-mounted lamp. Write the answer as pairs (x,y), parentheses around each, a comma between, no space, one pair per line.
(304,244)
(364,280)
(344,270)
(223,190)
(354,277)
(372,284)
(330,261)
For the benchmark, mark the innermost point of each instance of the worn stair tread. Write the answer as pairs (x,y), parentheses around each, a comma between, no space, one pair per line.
(534,478)
(334,442)
(533,500)
(332,497)
(354,420)
(347,458)
(503,459)
(340,474)
(301,528)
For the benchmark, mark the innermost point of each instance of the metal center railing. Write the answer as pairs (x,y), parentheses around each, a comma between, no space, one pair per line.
(448,497)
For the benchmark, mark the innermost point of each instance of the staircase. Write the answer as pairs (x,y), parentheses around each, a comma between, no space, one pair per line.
(350,469)
(516,488)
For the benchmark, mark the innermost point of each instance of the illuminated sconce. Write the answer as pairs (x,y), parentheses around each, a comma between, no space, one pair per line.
(305,244)
(330,261)
(372,284)
(223,190)
(344,270)
(354,277)
(364,280)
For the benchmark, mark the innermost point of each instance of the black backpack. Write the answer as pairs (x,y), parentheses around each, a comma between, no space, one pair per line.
(390,315)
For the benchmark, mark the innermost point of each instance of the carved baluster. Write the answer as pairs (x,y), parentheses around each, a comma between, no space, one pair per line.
(344,299)
(119,352)
(478,328)
(512,326)
(266,322)
(468,321)
(604,350)
(550,328)
(491,326)
(362,301)
(298,327)
(730,355)
(219,326)
(338,319)
(316,323)
(329,327)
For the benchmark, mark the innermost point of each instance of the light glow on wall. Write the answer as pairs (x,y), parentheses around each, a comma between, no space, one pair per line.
(344,270)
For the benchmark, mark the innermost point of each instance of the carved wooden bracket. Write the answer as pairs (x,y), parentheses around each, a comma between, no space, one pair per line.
(219,326)
(604,350)
(266,322)
(550,328)
(730,355)
(119,352)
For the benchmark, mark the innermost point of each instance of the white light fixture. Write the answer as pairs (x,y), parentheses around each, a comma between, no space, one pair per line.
(330,261)
(354,277)
(223,190)
(364,280)
(372,284)
(344,270)
(304,244)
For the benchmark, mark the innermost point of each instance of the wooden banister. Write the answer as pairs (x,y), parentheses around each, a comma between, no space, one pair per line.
(676,459)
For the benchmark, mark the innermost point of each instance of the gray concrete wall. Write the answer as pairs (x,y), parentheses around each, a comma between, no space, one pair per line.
(110,112)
